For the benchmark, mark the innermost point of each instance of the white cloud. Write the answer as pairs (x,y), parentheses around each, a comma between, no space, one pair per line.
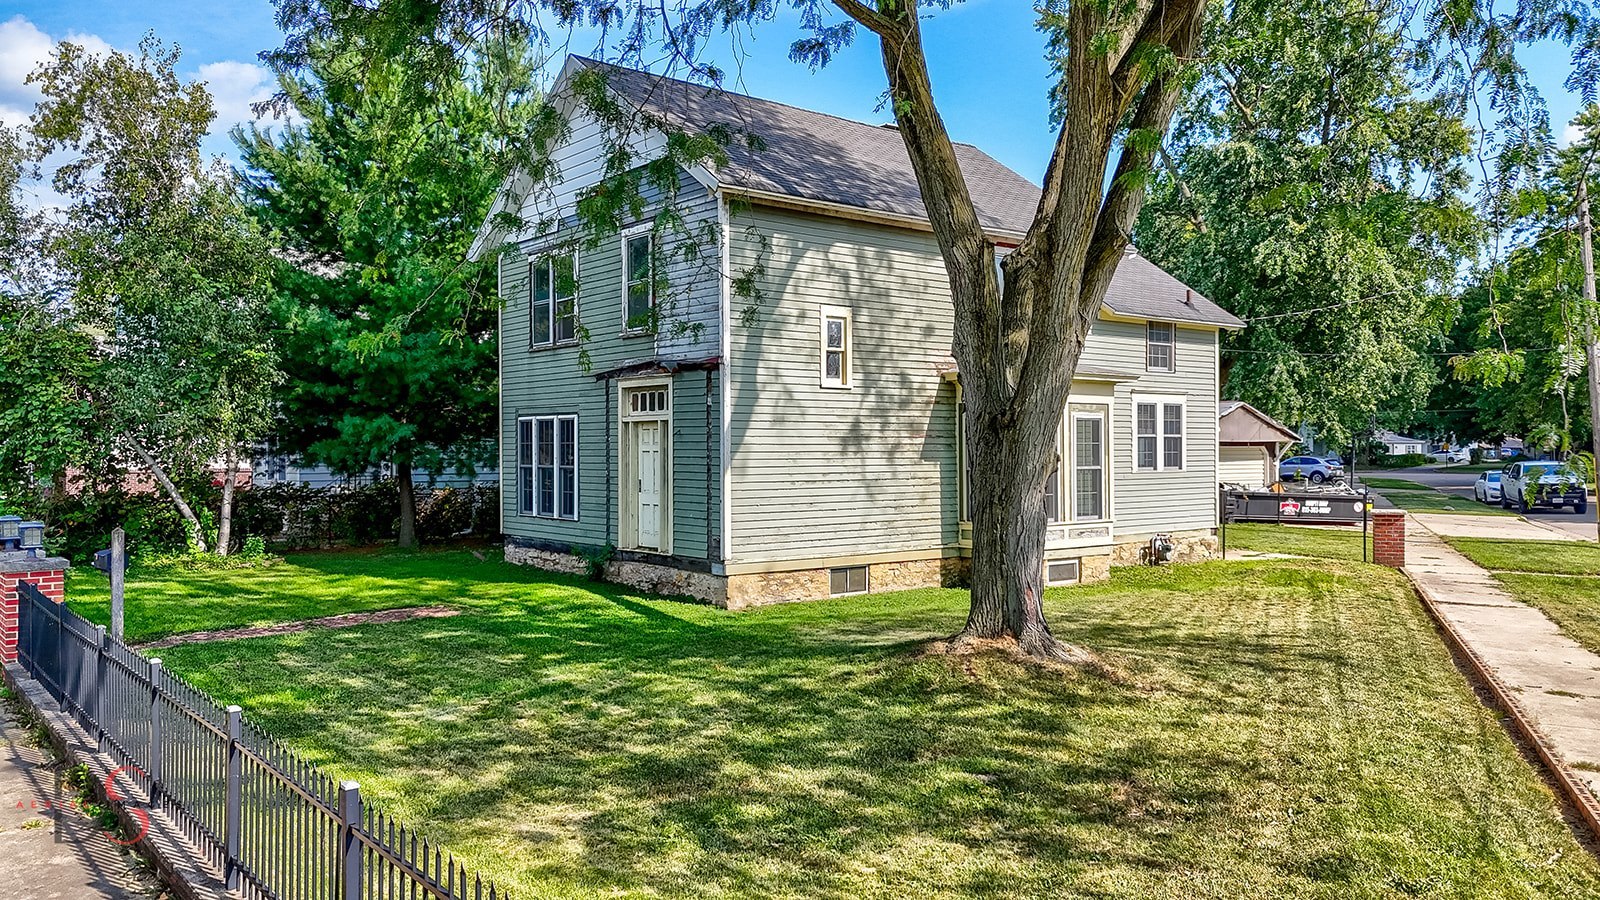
(22,48)
(1570,135)
(234,86)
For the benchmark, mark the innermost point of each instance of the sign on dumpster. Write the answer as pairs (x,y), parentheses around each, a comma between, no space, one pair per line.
(1307,508)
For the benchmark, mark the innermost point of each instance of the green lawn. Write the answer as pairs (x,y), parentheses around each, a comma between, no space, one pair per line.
(1549,557)
(1298,540)
(167,601)
(1415,497)
(1573,603)
(1270,729)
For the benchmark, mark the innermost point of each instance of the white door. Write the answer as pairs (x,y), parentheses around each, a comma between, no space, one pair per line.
(647,442)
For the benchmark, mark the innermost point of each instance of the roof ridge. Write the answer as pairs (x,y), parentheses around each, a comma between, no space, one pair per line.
(725,91)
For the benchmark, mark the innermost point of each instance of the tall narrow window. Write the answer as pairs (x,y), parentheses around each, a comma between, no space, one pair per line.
(1172,435)
(547,466)
(1145,436)
(640,299)
(525,467)
(1160,347)
(835,364)
(553,308)
(1052,495)
(1088,467)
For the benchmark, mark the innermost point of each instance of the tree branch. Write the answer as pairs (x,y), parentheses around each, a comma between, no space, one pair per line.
(881,25)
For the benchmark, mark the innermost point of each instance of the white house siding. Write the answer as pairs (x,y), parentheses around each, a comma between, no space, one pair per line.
(554,382)
(820,473)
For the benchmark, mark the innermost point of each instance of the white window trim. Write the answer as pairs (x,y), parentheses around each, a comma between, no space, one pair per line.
(824,313)
(1172,357)
(628,233)
(533,452)
(1160,400)
(547,259)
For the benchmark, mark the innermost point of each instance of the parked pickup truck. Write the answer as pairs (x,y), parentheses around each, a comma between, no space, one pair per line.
(1524,485)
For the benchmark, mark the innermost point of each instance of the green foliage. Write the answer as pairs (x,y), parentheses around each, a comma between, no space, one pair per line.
(389,333)
(595,560)
(1315,192)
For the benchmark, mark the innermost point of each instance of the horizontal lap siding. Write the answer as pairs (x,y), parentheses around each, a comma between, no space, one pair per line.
(554,382)
(1149,502)
(820,472)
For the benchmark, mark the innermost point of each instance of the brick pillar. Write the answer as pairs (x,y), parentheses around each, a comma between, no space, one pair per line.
(47,573)
(1389,538)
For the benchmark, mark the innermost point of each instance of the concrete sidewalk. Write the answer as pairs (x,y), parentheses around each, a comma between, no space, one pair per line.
(48,848)
(1511,528)
(1552,680)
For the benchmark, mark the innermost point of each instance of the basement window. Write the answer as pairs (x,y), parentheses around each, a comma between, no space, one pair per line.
(1061,571)
(847,580)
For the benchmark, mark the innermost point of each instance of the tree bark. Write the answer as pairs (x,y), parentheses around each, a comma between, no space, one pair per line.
(1017,344)
(225,514)
(197,534)
(408,505)
(1591,347)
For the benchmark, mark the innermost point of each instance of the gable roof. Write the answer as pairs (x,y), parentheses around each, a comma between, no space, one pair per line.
(822,159)
(1241,423)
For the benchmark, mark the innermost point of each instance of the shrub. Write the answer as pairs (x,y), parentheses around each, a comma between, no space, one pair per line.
(1405,460)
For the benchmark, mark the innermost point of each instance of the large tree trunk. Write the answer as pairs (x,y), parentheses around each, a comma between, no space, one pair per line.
(1017,345)
(408,504)
(197,535)
(225,514)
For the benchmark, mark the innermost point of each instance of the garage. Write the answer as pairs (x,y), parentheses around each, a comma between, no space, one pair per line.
(1250,444)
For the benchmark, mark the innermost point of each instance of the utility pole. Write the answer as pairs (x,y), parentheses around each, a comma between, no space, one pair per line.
(1590,347)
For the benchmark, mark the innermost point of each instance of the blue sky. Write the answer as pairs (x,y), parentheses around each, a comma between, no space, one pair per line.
(989,68)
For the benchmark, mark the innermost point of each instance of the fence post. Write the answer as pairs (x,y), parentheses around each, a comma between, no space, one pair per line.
(349,844)
(154,763)
(231,816)
(93,702)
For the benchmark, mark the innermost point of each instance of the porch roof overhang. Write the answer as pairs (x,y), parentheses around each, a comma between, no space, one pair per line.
(660,366)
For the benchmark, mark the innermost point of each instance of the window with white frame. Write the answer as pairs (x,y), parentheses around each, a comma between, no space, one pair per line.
(1158,434)
(639,291)
(1088,466)
(1160,346)
(553,312)
(835,366)
(1052,495)
(547,466)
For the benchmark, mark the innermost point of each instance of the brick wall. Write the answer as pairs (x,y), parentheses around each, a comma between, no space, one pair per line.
(48,575)
(1389,538)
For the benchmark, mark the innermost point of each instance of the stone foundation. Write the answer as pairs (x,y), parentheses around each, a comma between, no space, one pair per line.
(650,577)
(1187,546)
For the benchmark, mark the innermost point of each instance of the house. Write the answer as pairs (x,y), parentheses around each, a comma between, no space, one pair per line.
(1396,444)
(774,413)
(1250,444)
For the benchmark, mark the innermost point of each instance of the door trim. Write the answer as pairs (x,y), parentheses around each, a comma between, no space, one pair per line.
(627,499)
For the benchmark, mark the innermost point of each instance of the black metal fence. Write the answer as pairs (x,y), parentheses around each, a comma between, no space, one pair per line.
(276,828)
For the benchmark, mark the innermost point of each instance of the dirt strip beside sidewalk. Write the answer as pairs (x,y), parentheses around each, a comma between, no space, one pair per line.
(1551,681)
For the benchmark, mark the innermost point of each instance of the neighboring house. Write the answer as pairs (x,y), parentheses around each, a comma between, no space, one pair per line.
(283,470)
(813,446)
(1396,444)
(1251,443)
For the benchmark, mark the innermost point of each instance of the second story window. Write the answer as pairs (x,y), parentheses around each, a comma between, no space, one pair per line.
(639,292)
(1161,346)
(553,313)
(836,364)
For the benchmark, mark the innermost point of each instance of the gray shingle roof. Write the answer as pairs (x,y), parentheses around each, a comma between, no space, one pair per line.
(813,156)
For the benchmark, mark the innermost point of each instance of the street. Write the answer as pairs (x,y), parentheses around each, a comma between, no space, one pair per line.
(1459,480)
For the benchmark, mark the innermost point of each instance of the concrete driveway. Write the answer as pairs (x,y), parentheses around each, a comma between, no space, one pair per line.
(1458,481)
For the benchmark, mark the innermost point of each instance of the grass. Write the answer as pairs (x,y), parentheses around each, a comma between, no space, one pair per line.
(1297,540)
(1546,557)
(1271,729)
(1414,497)
(1572,603)
(167,601)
